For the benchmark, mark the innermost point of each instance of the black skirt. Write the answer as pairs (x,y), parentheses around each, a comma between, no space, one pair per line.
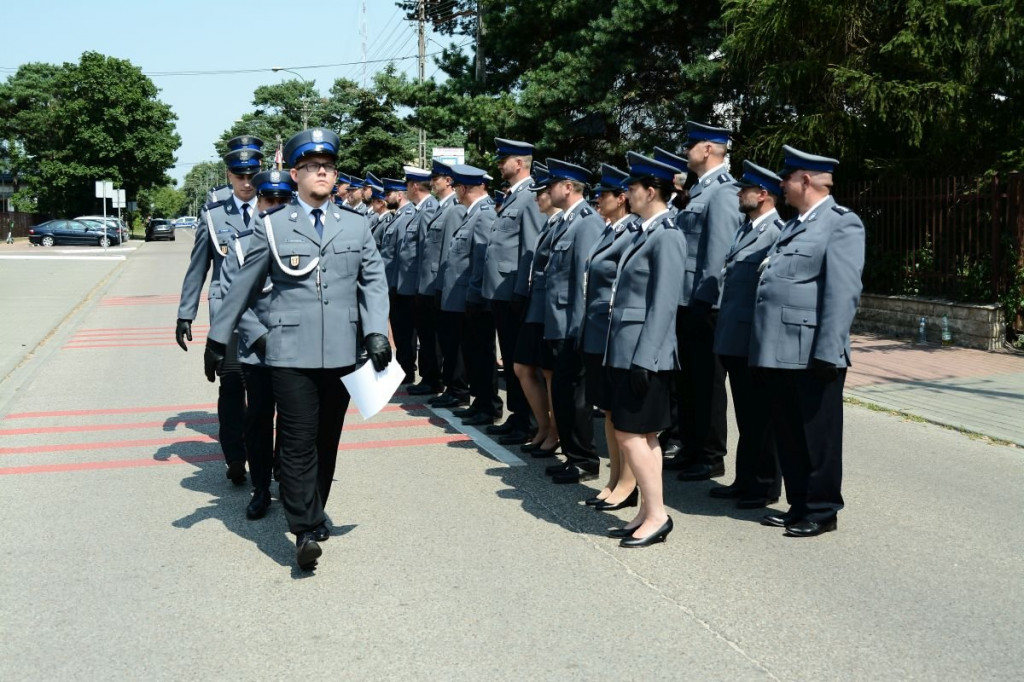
(531,349)
(595,381)
(631,414)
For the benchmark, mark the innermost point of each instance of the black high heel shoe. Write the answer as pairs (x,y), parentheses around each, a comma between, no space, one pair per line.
(657,536)
(622,532)
(540,453)
(631,501)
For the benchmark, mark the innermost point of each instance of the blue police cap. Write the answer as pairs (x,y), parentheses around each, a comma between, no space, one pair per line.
(641,166)
(312,141)
(273,183)
(699,132)
(541,179)
(463,174)
(355,182)
(243,161)
(439,168)
(512,148)
(373,181)
(612,179)
(376,192)
(244,142)
(414,174)
(795,160)
(393,185)
(674,160)
(757,176)
(562,170)
(343,179)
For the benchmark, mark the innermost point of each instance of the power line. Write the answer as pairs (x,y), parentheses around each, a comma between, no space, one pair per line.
(226,72)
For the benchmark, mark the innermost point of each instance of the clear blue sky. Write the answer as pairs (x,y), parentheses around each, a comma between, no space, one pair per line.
(190,36)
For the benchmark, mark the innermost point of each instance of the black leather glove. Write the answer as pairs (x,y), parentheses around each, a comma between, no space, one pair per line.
(825,372)
(639,380)
(213,358)
(260,346)
(379,350)
(183,331)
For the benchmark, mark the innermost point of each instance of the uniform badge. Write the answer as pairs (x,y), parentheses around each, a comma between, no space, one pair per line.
(244,155)
(317,135)
(224,249)
(275,176)
(760,228)
(294,261)
(337,216)
(293,216)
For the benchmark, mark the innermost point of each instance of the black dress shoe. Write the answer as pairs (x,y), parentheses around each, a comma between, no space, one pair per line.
(575,473)
(808,529)
(447,400)
(631,501)
(622,532)
(307,551)
(677,462)
(478,419)
(671,450)
(778,520)
(755,502)
(258,505)
(703,471)
(514,438)
(236,472)
(559,468)
(501,429)
(657,536)
(321,532)
(424,388)
(410,378)
(528,447)
(466,412)
(541,453)
(726,492)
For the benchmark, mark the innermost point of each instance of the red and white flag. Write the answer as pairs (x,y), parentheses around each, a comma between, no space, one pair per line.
(279,158)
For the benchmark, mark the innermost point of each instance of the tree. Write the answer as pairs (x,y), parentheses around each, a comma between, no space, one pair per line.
(198,183)
(162,202)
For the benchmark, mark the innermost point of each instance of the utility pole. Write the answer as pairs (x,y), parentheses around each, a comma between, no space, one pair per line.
(481,31)
(362,26)
(423,71)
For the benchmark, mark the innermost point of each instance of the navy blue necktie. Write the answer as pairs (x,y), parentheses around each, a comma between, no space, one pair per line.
(245,214)
(317,222)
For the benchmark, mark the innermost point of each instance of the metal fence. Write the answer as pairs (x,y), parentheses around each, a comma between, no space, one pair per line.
(955,238)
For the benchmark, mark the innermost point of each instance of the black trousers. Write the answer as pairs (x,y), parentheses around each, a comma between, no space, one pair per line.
(507,324)
(425,320)
(311,406)
(231,404)
(808,421)
(757,464)
(403,326)
(259,424)
(573,414)
(450,330)
(481,362)
(701,387)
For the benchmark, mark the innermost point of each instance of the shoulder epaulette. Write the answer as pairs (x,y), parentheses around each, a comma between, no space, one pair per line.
(841,210)
(210,205)
(272,209)
(350,209)
(585,211)
(780,223)
(724,177)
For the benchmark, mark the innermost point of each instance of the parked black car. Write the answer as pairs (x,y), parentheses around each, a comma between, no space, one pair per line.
(159,228)
(62,231)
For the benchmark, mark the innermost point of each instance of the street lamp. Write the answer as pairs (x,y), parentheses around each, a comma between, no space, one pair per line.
(305,104)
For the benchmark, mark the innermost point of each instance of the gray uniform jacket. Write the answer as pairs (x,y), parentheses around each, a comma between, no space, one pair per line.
(222,219)
(602,266)
(809,290)
(468,239)
(255,320)
(431,240)
(537,285)
(410,247)
(378,223)
(642,330)
(444,229)
(511,244)
(324,288)
(739,284)
(391,241)
(478,255)
(571,243)
(709,222)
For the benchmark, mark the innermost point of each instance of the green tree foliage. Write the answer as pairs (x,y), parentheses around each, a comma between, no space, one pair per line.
(162,202)
(198,182)
(78,123)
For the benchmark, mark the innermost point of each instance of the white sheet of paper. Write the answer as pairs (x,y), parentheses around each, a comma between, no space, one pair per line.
(371,390)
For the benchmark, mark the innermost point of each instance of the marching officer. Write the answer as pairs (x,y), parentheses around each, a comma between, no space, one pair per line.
(709,222)
(328,281)
(806,299)
(571,241)
(757,481)
(222,192)
(510,252)
(220,222)
(398,248)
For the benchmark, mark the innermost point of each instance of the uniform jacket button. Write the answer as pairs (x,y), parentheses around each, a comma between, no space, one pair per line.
(325,285)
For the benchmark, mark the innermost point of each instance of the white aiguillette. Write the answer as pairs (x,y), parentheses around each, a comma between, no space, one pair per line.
(371,390)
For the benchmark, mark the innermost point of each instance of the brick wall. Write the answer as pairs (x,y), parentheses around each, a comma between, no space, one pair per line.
(971,325)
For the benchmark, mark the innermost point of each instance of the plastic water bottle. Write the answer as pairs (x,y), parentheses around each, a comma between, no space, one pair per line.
(947,336)
(922,337)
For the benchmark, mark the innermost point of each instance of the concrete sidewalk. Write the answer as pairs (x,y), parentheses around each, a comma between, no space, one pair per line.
(963,388)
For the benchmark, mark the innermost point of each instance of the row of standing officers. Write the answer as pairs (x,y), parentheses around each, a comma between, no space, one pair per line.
(641,308)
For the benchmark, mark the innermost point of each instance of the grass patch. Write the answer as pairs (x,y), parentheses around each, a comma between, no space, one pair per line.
(907,416)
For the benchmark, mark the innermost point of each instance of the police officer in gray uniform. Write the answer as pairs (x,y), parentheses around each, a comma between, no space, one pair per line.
(510,251)
(571,241)
(328,282)
(354,200)
(709,222)
(395,251)
(757,481)
(806,299)
(379,214)
(219,224)
(417,190)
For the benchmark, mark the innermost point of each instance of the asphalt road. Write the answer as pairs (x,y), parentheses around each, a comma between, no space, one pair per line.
(126,554)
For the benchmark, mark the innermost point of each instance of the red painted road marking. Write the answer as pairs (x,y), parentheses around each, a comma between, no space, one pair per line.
(197,438)
(191,459)
(103,427)
(70,346)
(135,329)
(170,408)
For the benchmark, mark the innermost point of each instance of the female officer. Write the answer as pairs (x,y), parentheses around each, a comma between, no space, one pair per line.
(641,350)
